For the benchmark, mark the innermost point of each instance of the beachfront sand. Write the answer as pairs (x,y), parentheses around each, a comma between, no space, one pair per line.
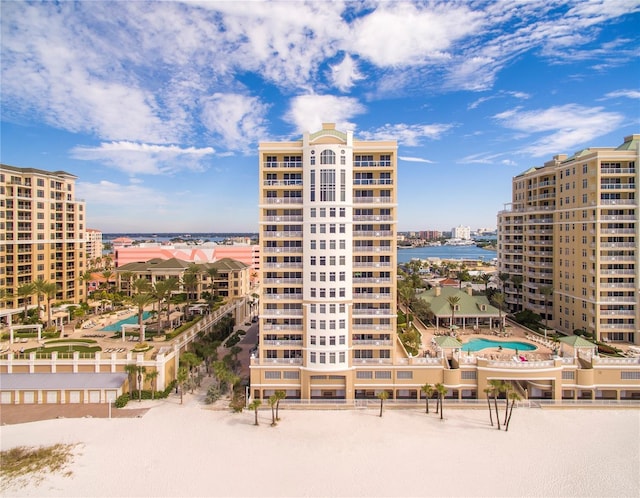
(191,450)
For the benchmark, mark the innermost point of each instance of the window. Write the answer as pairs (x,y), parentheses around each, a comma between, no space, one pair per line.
(288,374)
(327,157)
(630,375)
(383,375)
(360,374)
(405,374)
(468,374)
(327,185)
(312,357)
(272,375)
(312,338)
(323,357)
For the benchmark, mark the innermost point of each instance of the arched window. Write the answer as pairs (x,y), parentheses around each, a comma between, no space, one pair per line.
(327,157)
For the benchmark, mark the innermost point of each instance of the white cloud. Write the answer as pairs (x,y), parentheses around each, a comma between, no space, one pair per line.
(562,127)
(480,158)
(110,194)
(308,112)
(409,159)
(345,74)
(406,134)
(237,119)
(631,94)
(406,34)
(144,159)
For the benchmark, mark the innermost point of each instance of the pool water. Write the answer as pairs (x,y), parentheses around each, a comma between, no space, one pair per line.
(479,344)
(116,327)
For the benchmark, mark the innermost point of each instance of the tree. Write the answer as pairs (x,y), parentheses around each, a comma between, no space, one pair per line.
(513,396)
(422,309)
(503,277)
(254,405)
(38,289)
(190,361)
(273,401)
(162,290)
(442,391)
(140,301)
(427,390)
(488,391)
(140,370)
(485,278)
(50,290)
(151,377)
(182,377)
(280,395)
(506,388)
(547,292)
(453,304)
(382,395)
(131,370)
(494,385)
(517,283)
(107,274)
(25,291)
(127,276)
(213,275)
(498,299)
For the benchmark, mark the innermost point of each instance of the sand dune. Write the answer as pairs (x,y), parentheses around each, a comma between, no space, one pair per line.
(190,450)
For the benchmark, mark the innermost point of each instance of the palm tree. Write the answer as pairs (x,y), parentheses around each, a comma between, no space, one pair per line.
(140,370)
(213,275)
(25,291)
(280,395)
(38,287)
(162,290)
(427,390)
(503,277)
(453,303)
(488,391)
(182,377)
(142,286)
(513,396)
(107,275)
(517,283)
(50,290)
(485,278)
(273,401)
(140,301)
(130,368)
(382,395)
(498,299)
(190,361)
(507,389)
(127,276)
(495,390)
(85,278)
(442,391)
(151,377)
(547,292)
(254,405)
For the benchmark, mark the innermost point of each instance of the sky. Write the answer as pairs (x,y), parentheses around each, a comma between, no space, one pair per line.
(158,107)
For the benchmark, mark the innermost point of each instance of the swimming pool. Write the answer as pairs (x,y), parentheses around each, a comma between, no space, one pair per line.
(116,327)
(479,344)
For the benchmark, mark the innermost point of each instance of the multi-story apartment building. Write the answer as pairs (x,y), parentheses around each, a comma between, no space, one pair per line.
(461,232)
(42,230)
(93,244)
(571,235)
(328,263)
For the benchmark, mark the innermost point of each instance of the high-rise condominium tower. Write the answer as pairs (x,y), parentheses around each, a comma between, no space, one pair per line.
(41,234)
(569,241)
(328,263)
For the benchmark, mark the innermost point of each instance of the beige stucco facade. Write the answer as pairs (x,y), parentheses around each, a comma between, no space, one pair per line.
(42,234)
(572,226)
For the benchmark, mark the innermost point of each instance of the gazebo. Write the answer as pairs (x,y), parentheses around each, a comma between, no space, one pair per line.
(446,342)
(577,343)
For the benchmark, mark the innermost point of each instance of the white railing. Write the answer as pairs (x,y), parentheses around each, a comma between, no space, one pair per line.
(372,361)
(283,342)
(372,200)
(282,265)
(373,181)
(372,233)
(372,217)
(278,361)
(378,264)
(370,280)
(370,295)
(384,249)
(282,281)
(373,311)
(281,312)
(521,364)
(281,183)
(371,342)
(284,164)
(282,234)
(615,361)
(617,186)
(282,200)
(282,218)
(372,164)
(270,326)
(283,250)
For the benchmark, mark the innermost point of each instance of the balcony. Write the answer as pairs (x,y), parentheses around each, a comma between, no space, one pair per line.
(284,164)
(372,361)
(282,183)
(372,312)
(281,312)
(279,361)
(377,249)
(285,234)
(617,186)
(372,342)
(282,250)
(282,342)
(372,200)
(372,181)
(371,280)
(283,327)
(371,296)
(282,219)
(372,217)
(282,265)
(368,264)
(372,164)
(282,281)
(373,233)
(282,200)
(282,297)
(617,171)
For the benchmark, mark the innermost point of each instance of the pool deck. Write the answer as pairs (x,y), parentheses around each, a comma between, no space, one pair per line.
(512,333)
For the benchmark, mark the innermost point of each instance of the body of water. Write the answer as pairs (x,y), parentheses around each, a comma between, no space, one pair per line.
(117,327)
(479,344)
(446,252)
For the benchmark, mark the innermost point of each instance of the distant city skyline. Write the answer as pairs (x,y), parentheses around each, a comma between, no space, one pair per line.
(158,107)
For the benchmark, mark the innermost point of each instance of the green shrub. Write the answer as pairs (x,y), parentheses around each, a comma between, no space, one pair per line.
(213,395)
(122,400)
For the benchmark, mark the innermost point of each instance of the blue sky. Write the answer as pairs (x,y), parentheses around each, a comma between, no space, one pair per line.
(158,108)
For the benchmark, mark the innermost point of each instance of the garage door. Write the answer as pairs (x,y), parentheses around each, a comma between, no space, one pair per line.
(94,396)
(74,396)
(5,398)
(29,397)
(52,397)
